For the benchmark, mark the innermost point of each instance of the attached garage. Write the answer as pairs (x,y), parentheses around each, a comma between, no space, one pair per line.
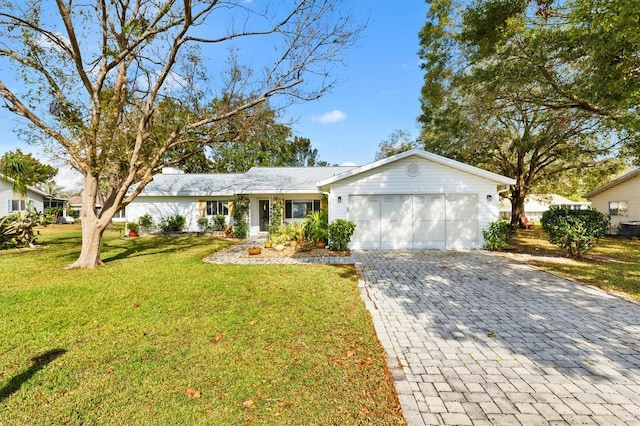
(415,200)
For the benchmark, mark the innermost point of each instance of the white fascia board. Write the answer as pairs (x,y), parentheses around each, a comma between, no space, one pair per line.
(425,155)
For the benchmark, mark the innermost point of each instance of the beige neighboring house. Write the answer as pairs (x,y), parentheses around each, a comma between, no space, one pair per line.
(536,204)
(620,199)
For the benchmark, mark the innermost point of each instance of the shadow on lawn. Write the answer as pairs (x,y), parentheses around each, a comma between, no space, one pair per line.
(148,246)
(37,364)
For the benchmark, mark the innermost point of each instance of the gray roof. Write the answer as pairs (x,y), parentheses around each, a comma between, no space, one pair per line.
(257,180)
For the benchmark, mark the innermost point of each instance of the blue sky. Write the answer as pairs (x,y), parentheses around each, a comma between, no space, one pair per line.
(378,92)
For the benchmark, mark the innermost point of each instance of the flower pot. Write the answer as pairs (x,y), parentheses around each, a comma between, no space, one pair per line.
(255,251)
(268,244)
(321,244)
(278,247)
(133,234)
(293,243)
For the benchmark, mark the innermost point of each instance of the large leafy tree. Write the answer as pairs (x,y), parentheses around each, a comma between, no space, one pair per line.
(260,139)
(125,83)
(488,98)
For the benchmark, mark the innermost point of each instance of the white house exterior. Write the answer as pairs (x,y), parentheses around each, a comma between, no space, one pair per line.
(415,200)
(620,199)
(411,200)
(10,202)
(536,204)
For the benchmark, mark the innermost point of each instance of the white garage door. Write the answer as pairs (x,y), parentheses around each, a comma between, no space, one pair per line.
(414,221)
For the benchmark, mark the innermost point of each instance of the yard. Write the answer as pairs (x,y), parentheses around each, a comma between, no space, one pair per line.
(160,337)
(612,265)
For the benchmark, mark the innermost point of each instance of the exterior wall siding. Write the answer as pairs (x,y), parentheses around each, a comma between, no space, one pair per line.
(628,191)
(162,207)
(6,193)
(433,178)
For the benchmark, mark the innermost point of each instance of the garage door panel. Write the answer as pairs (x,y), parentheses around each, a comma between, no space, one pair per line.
(414,221)
(364,211)
(396,221)
(428,220)
(462,218)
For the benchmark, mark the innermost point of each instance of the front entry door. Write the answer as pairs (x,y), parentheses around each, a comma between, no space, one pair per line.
(264,215)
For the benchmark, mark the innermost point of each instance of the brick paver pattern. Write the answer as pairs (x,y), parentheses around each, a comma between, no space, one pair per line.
(474,338)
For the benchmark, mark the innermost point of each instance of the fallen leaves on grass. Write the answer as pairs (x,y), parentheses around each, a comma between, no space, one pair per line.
(193,393)
(249,404)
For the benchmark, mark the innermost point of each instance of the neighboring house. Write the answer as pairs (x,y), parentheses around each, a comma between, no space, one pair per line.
(620,199)
(10,202)
(536,204)
(411,200)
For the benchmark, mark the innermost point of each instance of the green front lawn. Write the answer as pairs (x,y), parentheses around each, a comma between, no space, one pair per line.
(159,337)
(612,265)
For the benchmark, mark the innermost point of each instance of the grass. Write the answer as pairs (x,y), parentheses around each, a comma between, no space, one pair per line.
(612,265)
(159,337)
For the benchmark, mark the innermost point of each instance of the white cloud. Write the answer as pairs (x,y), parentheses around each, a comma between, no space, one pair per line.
(330,117)
(348,163)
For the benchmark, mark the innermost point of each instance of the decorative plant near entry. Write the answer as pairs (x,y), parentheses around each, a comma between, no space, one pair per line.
(133,227)
(576,231)
(497,235)
(240,224)
(316,227)
(340,233)
(275,218)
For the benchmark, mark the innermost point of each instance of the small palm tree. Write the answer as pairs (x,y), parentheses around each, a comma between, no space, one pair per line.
(17,169)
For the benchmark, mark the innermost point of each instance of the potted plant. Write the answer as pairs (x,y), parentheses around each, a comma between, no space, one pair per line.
(268,244)
(254,250)
(133,229)
(278,241)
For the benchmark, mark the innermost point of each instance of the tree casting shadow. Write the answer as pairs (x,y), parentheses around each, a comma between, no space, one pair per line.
(37,364)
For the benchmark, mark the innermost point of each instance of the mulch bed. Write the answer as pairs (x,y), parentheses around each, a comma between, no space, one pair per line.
(299,251)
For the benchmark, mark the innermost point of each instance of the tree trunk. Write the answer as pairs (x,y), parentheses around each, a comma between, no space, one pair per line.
(517,207)
(92,227)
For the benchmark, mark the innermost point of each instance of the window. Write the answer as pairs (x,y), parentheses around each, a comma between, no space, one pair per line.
(618,208)
(120,214)
(215,208)
(16,206)
(294,209)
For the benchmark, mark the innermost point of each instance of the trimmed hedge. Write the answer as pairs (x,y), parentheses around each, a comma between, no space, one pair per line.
(576,231)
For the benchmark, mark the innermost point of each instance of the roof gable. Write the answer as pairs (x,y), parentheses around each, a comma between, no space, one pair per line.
(420,154)
(613,183)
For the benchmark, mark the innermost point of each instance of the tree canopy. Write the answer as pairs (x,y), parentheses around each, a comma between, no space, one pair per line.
(25,170)
(511,86)
(123,88)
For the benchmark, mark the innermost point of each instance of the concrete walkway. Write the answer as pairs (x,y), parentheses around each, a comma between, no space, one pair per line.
(474,338)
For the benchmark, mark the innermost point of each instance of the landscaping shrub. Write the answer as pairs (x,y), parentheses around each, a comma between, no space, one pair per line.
(52,215)
(203,224)
(146,222)
(497,235)
(175,223)
(219,222)
(340,233)
(576,231)
(16,230)
(316,226)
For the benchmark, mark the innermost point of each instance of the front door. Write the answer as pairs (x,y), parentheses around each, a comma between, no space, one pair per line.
(264,215)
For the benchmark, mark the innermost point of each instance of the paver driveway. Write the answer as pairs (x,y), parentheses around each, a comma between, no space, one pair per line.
(474,338)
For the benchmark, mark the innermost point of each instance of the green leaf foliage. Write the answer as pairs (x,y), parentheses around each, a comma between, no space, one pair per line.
(497,235)
(576,231)
(340,233)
